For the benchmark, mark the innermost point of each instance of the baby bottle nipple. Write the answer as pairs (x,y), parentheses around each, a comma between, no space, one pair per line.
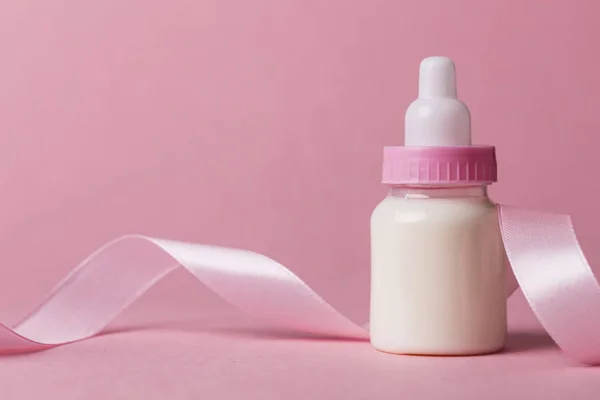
(437,117)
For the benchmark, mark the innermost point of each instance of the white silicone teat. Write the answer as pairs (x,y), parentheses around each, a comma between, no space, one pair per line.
(437,117)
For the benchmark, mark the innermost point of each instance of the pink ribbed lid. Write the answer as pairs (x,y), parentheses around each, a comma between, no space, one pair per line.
(439,165)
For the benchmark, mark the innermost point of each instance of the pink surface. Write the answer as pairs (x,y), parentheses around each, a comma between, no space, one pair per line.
(217,353)
(239,113)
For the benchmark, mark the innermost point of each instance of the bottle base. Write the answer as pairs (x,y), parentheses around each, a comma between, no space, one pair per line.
(442,352)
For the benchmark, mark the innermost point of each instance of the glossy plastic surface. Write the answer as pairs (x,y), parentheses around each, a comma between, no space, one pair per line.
(438,272)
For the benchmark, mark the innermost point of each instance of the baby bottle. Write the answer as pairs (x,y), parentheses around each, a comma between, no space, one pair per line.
(437,257)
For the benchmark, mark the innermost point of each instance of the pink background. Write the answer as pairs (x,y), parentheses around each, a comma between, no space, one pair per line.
(260,124)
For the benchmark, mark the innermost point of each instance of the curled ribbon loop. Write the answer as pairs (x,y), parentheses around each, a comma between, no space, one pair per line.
(555,278)
(542,248)
(104,284)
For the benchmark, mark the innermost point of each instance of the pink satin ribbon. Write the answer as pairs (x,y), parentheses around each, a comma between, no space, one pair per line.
(542,248)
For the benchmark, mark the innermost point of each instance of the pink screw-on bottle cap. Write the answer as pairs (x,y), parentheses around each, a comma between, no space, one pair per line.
(438,147)
(439,165)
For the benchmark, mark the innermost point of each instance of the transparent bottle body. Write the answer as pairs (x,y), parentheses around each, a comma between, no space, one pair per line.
(437,272)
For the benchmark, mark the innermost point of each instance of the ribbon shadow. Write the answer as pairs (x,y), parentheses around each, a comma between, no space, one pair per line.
(520,342)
